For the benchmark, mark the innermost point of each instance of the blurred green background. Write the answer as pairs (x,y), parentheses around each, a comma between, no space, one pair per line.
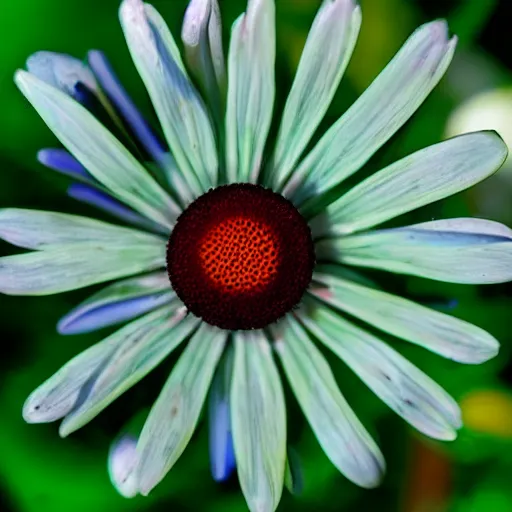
(39,472)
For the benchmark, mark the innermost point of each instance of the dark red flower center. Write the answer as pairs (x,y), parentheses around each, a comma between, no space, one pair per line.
(240,257)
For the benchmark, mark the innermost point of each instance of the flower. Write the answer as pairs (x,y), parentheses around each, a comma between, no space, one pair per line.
(238,247)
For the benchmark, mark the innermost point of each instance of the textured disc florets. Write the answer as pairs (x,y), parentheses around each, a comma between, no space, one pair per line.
(240,257)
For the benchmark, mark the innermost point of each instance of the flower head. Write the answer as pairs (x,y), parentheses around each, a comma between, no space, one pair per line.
(236,247)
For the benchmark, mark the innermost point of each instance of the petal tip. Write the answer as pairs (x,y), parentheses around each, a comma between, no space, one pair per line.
(63,327)
(43,156)
(65,429)
(20,77)
(438,30)
(194,21)
(29,411)
(122,459)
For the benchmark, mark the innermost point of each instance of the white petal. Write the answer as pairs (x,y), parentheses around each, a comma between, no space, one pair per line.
(398,383)
(419,179)
(328,49)
(75,266)
(118,302)
(98,150)
(468,254)
(174,416)
(122,459)
(440,333)
(468,225)
(56,397)
(202,37)
(41,230)
(258,419)
(62,71)
(180,109)
(373,119)
(145,344)
(251,90)
(53,399)
(342,436)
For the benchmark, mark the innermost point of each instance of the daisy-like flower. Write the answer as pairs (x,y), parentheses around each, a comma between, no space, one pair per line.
(238,245)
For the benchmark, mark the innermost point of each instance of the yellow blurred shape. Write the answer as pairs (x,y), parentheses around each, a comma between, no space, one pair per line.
(488,411)
(489,110)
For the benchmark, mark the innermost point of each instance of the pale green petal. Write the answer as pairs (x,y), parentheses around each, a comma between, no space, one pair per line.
(258,420)
(467,251)
(419,179)
(251,90)
(98,150)
(71,267)
(53,399)
(373,119)
(438,332)
(56,397)
(179,107)
(40,230)
(341,435)
(140,350)
(398,383)
(174,416)
(202,38)
(117,303)
(328,49)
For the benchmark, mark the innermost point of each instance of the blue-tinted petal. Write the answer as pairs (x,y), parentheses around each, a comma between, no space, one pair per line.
(124,104)
(62,161)
(82,320)
(222,456)
(105,202)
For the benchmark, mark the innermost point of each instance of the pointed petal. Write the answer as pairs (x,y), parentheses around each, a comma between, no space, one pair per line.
(40,230)
(342,437)
(202,37)
(174,416)
(258,418)
(118,303)
(98,150)
(71,267)
(473,252)
(328,49)
(222,456)
(377,115)
(145,343)
(61,71)
(179,107)
(251,90)
(398,383)
(440,333)
(426,176)
(122,459)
